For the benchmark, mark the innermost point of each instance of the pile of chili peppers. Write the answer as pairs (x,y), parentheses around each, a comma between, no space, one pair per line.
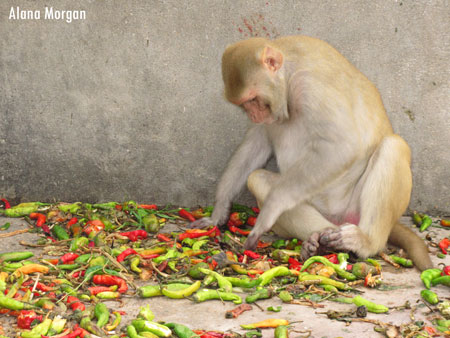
(95,253)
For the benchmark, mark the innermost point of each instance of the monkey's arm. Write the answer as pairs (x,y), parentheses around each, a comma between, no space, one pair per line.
(317,167)
(253,153)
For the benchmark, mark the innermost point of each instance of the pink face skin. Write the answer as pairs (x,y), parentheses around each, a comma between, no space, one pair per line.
(257,110)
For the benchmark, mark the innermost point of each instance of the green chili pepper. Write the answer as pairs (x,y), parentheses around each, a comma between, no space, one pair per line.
(440,255)
(134,265)
(198,244)
(149,291)
(102,314)
(44,303)
(323,281)
(242,208)
(285,296)
(158,329)
(15,256)
(371,307)
(172,291)
(99,260)
(83,258)
(426,222)
(18,211)
(146,313)
(274,308)
(330,288)
(402,261)
(5,226)
(181,331)
(68,289)
(270,274)
(108,295)
(68,266)
(105,206)
(340,272)
(13,304)
(283,255)
(151,223)
(243,282)
(91,271)
(281,331)
(417,219)
(39,330)
(428,275)
(208,294)
(71,208)
(429,296)
(279,243)
(444,280)
(78,242)
(362,269)
(194,271)
(132,333)
(258,294)
(115,323)
(221,280)
(60,233)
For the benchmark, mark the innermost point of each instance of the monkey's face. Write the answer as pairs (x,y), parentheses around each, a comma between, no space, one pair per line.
(257,110)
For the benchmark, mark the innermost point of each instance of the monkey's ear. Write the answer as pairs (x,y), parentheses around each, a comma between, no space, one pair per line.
(272,59)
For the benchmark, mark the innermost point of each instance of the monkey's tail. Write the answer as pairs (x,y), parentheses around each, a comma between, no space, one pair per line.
(405,238)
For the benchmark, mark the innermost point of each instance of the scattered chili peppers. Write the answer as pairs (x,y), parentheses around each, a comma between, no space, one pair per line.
(135,235)
(111,280)
(444,244)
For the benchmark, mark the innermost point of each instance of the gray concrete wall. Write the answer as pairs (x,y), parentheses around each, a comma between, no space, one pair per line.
(128,102)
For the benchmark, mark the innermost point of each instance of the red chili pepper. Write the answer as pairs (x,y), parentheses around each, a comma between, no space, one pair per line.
(163,238)
(332,258)
(235,229)
(294,264)
(186,214)
(68,257)
(125,253)
(252,254)
(26,318)
(111,280)
(75,303)
(446,271)
(6,203)
(195,233)
(238,218)
(95,225)
(349,267)
(148,206)
(256,210)
(44,288)
(444,222)
(118,207)
(97,289)
(135,235)
(41,218)
(251,221)
(444,244)
(76,332)
(71,222)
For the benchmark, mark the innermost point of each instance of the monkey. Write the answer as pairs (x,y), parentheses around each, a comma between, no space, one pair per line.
(344,176)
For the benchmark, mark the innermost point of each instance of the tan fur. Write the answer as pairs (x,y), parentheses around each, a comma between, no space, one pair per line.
(339,160)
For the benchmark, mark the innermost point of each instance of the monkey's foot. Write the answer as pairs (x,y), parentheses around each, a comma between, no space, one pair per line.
(202,223)
(311,246)
(344,238)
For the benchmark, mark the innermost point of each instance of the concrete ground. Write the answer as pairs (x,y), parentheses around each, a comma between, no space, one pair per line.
(210,315)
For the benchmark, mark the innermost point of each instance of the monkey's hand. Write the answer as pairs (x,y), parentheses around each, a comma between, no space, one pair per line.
(252,241)
(344,238)
(311,246)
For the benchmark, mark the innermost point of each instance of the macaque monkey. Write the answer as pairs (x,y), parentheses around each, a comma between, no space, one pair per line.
(344,177)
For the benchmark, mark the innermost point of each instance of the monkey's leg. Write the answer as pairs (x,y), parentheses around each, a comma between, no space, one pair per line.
(303,221)
(384,197)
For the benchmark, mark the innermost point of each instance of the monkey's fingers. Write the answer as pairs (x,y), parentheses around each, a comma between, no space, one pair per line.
(202,223)
(311,246)
(251,242)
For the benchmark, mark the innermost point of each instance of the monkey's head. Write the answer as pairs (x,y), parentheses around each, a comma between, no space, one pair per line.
(253,75)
